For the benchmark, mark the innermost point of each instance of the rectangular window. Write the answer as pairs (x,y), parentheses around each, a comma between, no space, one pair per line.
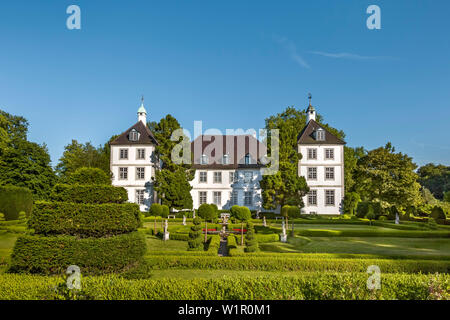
(231,177)
(217,177)
(329,173)
(312,198)
(203,176)
(247,177)
(202,197)
(217,199)
(329,154)
(329,197)
(248,198)
(234,198)
(312,154)
(123,173)
(140,196)
(312,173)
(123,154)
(140,173)
(140,154)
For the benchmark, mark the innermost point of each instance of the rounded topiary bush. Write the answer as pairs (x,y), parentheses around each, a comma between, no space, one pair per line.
(156,210)
(13,200)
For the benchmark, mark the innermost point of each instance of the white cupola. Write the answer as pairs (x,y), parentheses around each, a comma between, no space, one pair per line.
(310,112)
(142,113)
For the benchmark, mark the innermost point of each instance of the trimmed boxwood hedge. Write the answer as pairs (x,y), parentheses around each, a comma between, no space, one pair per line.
(279,263)
(50,255)
(89,193)
(307,286)
(13,200)
(84,219)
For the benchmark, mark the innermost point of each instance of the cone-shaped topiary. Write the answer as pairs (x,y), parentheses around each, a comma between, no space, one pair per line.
(195,236)
(251,243)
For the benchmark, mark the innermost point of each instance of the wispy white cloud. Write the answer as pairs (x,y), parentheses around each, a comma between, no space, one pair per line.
(346,55)
(292,50)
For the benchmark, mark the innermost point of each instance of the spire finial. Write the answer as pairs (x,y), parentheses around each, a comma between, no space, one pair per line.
(309,97)
(142,99)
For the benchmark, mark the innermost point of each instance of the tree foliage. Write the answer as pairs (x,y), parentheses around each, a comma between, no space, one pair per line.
(435,178)
(23,163)
(77,155)
(171,181)
(387,177)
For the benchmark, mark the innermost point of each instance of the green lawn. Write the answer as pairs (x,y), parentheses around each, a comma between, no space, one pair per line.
(362,245)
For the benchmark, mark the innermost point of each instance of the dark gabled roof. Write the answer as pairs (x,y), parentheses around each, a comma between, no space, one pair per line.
(145,136)
(236,151)
(306,136)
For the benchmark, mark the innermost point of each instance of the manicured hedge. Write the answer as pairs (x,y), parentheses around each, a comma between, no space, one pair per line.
(309,286)
(13,200)
(271,237)
(50,255)
(84,219)
(214,244)
(372,233)
(89,175)
(278,263)
(89,193)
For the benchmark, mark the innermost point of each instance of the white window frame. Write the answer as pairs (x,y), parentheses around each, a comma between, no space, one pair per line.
(329,173)
(248,198)
(139,152)
(234,198)
(200,196)
(311,170)
(217,198)
(123,173)
(133,135)
(311,150)
(140,175)
(123,154)
(202,174)
(217,177)
(329,151)
(140,196)
(204,159)
(333,195)
(320,134)
(312,198)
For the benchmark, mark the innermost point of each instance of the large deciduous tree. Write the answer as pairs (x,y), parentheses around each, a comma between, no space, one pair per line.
(23,163)
(78,155)
(388,177)
(286,187)
(171,180)
(435,178)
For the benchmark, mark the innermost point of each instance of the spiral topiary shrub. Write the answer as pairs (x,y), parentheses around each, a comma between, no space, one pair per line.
(195,241)
(251,243)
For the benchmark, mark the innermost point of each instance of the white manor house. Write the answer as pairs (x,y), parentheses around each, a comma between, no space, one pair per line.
(230,175)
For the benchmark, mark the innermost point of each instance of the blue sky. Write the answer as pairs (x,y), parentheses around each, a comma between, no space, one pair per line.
(230,64)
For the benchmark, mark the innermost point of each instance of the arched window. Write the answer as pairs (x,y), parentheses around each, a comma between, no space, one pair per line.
(134,135)
(204,159)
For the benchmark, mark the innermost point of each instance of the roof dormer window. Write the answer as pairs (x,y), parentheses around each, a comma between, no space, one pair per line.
(225,159)
(134,135)
(204,159)
(247,159)
(320,134)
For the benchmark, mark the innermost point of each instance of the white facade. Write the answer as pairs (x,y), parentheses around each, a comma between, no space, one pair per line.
(324,176)
(226,188)
(132,162)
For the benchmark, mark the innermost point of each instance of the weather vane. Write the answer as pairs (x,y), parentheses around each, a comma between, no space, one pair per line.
(309,97)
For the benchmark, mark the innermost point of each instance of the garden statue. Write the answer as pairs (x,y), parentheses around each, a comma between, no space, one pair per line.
(397,218)
(166,232)
(264,222)
(193,214)
(283,236)
(184,220)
